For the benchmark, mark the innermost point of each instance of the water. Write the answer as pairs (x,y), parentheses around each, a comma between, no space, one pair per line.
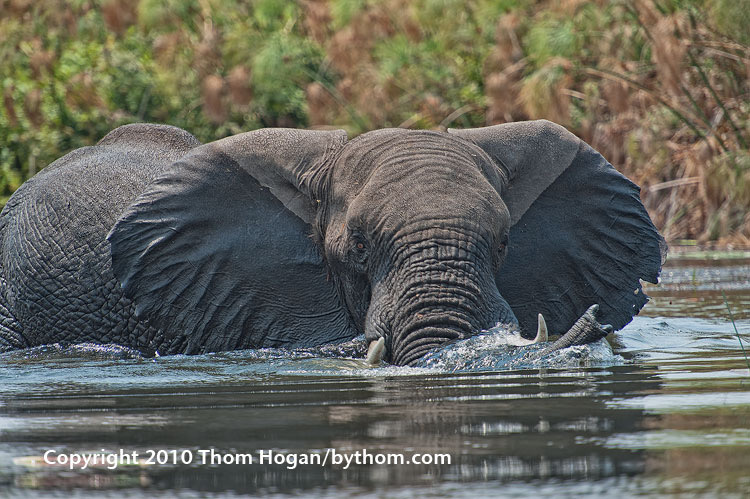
(662,411)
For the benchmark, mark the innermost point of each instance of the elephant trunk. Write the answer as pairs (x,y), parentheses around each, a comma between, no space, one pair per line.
(442,305)
(433,332)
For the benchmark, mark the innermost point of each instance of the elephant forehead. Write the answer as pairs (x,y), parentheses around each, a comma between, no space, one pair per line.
(433,194)
(384,157)
(396,178)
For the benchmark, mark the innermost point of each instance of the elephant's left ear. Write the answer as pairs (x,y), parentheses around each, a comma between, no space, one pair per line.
(217,251)
(580,234)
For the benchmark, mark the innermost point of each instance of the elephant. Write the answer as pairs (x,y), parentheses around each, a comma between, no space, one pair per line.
(298,238)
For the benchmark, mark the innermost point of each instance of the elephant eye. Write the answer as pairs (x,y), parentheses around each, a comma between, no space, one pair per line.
(504,242)
(501,250)
(359,248)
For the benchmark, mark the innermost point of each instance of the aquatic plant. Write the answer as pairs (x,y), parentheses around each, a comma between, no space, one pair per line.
(739,338)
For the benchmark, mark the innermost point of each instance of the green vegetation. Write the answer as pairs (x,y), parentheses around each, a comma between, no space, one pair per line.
(660,87)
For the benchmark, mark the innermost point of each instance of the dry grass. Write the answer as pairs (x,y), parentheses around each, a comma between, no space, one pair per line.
(666,115)
(660,88)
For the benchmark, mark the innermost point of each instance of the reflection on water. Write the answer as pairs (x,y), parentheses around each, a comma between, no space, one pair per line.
(697,288)
(667,413)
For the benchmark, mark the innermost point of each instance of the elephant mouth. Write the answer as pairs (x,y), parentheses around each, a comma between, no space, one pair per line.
(376,350)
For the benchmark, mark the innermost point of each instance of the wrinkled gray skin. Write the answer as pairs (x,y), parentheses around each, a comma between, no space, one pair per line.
(300,238)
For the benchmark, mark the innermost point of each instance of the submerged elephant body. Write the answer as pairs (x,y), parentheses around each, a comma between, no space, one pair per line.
(294,238)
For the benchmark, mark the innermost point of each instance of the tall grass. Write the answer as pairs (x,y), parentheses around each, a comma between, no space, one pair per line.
(660,87)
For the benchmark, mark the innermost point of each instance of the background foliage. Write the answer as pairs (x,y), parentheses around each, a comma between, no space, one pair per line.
(659,87)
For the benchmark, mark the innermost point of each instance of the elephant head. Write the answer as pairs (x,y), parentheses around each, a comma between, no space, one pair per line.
(285,237)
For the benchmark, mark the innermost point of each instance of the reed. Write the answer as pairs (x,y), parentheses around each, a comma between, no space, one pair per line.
(736,332)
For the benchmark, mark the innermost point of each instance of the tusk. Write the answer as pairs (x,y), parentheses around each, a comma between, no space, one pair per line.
(375,352)
(542,335)
(541,331)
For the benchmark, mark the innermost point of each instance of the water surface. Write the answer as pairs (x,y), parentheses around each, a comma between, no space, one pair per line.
(662,409)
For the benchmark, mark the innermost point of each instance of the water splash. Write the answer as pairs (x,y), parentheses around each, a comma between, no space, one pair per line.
(63,351)
(498,349)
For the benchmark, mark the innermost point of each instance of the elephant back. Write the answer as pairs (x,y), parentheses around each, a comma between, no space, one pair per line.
(55,265)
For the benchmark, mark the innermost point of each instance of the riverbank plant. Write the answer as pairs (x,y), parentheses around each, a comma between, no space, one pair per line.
(660,87)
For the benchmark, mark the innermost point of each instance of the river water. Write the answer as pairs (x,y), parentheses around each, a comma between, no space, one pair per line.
(663,409)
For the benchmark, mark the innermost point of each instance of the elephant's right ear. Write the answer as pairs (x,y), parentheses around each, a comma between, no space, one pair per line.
(217,251)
